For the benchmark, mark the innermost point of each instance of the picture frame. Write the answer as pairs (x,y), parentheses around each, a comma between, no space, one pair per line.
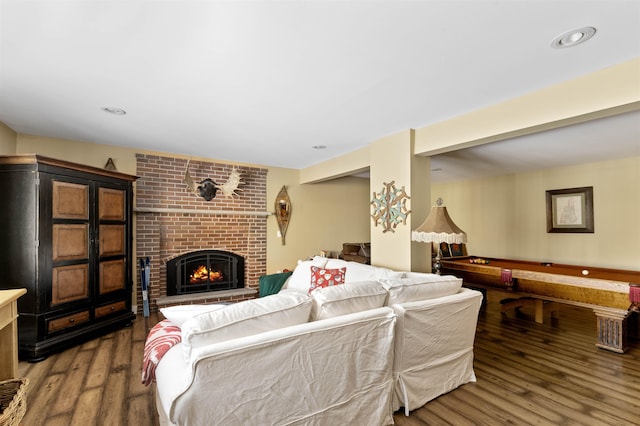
(457,249)
(444,249)
(570,210)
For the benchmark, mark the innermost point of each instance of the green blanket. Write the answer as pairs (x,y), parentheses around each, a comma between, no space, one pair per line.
(272,283)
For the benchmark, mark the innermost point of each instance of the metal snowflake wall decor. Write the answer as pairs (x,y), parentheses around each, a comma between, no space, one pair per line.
(390,207)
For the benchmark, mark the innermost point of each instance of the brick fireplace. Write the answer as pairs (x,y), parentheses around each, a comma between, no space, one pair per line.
(171,222)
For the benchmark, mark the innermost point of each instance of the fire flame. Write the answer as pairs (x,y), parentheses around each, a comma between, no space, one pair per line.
(201,274)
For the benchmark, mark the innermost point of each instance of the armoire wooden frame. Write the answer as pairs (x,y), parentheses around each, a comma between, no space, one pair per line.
(66,237)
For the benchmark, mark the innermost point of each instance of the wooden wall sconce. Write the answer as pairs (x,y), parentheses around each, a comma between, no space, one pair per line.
(283,211)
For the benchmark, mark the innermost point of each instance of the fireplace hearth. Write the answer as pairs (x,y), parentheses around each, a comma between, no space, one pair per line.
(204,271)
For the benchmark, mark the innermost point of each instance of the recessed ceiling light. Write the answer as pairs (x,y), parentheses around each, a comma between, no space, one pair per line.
(319,147)
(114,110)
(573,37)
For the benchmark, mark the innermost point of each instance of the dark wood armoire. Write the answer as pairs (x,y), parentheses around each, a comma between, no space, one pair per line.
(65,236)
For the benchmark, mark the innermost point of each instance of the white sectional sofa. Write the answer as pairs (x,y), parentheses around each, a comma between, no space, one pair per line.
(345,354)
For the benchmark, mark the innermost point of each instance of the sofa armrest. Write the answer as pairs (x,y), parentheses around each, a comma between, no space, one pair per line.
(434,346)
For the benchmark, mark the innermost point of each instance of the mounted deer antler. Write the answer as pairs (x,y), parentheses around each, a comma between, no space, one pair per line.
(207,188)
(191,185)
(230,187)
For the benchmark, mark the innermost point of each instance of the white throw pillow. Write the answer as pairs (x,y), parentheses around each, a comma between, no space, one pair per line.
(347,298)
(417,286)
(300,279)
(181,313)
(244,319)
(359,271)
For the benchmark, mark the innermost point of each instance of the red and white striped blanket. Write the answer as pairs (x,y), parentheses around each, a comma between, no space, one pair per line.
(162,337)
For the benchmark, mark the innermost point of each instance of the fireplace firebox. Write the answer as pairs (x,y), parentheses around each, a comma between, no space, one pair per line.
(203,271)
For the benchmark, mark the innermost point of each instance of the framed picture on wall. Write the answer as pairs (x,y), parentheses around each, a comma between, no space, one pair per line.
(570,210)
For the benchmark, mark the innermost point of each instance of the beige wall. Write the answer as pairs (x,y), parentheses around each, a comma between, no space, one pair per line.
(506,216)
(503,216)
(95,155)
(324,215)
(7,140)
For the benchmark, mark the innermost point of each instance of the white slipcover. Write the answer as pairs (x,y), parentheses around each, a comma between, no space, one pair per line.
(244,319)
(346,299)
(429,286)
(434,347)
(327,372)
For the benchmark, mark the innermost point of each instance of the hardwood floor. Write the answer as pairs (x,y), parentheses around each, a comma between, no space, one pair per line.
(528,373)
(96,383)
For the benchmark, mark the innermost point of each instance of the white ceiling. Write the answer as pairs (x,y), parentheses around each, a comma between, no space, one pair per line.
(598,140)
(264,81)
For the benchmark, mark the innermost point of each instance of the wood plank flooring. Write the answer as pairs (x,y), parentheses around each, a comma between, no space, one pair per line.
(528,374)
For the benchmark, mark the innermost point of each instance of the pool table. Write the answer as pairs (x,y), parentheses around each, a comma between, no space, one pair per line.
(606,291)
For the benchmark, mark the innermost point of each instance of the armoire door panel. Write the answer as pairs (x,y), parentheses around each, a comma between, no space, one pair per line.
(69,283)
(112,275)
(111,204)
(70,242)
(70,200)
(112,240)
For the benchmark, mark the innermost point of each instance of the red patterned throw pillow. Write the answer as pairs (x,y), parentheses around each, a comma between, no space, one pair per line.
(322,277)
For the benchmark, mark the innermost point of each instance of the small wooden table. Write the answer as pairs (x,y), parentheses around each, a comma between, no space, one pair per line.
(9,333)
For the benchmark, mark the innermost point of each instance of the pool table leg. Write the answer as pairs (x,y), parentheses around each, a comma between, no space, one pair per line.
(612,329)
(552,307)
(539,304)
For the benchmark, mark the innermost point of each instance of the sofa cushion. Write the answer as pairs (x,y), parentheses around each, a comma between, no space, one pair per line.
(181,313)
(244,319)
(301,277)
(324,277)
(358,271)
(345,299)
(417,286)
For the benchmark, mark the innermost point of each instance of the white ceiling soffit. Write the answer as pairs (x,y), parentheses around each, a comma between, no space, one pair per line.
(598,140)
